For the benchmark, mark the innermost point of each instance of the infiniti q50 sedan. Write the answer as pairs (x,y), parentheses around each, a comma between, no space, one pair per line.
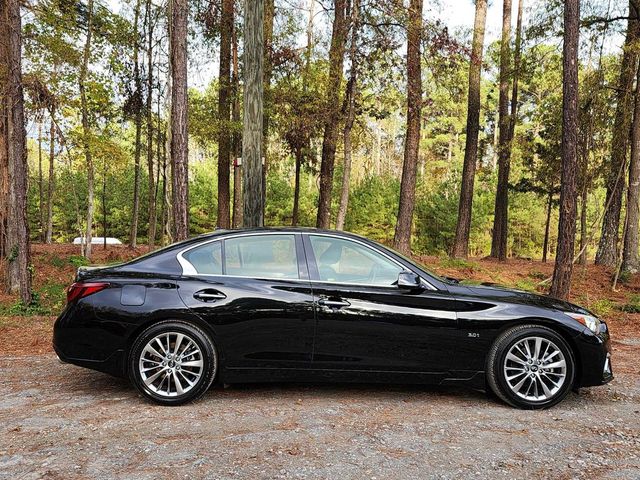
(309,305)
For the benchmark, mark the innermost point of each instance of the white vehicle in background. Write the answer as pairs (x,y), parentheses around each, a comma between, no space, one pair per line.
(97,241)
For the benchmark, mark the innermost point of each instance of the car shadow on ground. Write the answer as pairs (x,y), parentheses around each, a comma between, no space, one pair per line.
(78,381)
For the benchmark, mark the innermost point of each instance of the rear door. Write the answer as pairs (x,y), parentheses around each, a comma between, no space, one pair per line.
(365,322)
(254,292)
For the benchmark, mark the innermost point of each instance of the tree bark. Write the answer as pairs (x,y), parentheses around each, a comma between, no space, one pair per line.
(224,114)
(500,219)
(236,139)
(179,120)
(133,235)
(253,113)
(463,227)
(52,178)
(269,15)
(630,256)
(350,114)
(547,228)
(4,144)
(86,130)
(332,113)
(402,239)
(151,180)
(607,253)
(18,253)
(563,270)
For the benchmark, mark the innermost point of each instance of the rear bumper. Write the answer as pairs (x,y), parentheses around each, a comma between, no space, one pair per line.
(113,364)
(89,344)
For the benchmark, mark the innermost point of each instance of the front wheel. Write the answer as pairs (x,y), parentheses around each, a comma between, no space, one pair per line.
(173,362)
(530,366)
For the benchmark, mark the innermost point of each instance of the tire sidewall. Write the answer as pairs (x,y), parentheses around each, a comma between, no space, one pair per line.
(505,345)
(203,341)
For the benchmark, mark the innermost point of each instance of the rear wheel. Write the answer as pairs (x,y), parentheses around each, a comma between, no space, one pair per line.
(173,362)
(530,366)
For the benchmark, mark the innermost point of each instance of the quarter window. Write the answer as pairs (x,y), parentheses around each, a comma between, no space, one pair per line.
(346,261)
(206,259)
(266,256)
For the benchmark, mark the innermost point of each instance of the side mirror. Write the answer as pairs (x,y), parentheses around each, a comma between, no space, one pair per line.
(409,280)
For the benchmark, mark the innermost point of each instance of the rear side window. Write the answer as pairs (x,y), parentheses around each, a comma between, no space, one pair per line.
(266,256)
(206,259)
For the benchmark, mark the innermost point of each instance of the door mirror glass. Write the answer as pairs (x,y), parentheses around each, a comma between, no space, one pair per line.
(409,280)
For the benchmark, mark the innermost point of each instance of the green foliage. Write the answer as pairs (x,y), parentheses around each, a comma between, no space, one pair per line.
(603,307)
(78,261)
(632,305)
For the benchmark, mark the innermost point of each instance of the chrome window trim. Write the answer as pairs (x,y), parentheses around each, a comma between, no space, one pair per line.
(189,269)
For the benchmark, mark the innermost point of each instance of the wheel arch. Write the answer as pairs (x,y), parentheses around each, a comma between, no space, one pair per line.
(192,319)
(558,328)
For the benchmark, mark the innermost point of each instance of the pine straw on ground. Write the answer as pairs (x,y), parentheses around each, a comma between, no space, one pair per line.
(57,264)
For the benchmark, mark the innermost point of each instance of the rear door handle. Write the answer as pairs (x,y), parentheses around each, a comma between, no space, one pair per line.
(325,302)
(209,295)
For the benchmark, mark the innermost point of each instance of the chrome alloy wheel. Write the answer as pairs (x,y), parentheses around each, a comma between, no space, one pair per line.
(535,369)
(171,364)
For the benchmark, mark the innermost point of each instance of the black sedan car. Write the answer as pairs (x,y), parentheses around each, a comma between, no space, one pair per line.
(309,305)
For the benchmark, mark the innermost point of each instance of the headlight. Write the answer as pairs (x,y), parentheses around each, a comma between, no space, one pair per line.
(589,321)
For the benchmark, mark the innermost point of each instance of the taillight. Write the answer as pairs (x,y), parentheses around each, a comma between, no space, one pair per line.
(80,290)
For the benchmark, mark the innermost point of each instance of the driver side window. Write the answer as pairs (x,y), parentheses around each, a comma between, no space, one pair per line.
(345,261)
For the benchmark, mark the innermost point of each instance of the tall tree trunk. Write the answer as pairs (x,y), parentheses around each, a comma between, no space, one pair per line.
(517,60)
(253,113)
(630,255)
(295,217)
(152,184)
(332,113)
(402,239)
(607,253)
(4,145)
(104,203)
(500,219)
(561,284)
(236,147)
(269,15)
(224,114)
(40,184)
(463,227)
(179,132)
(584,234)
(86,130)
(19,258)
(350,114)
(133,235)
(52,178)
(547,227)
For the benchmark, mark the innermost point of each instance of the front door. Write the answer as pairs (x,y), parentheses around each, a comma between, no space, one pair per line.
(365,321)
(254,292)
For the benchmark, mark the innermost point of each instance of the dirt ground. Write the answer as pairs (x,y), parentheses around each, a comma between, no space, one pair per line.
(61,421)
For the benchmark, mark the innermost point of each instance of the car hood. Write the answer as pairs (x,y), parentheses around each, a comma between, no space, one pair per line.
(523,297)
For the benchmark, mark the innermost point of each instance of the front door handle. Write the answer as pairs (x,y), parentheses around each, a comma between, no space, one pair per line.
(209,295)
(325,302)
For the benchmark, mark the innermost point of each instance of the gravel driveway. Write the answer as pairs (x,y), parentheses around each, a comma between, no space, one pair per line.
(61,421)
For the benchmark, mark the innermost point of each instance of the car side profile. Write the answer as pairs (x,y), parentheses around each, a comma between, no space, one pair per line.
(306,305)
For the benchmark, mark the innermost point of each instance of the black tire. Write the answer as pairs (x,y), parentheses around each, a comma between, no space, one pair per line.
(496,377)
(207,353)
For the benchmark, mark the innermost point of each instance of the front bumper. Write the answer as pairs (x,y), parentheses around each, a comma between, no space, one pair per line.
(595,357)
